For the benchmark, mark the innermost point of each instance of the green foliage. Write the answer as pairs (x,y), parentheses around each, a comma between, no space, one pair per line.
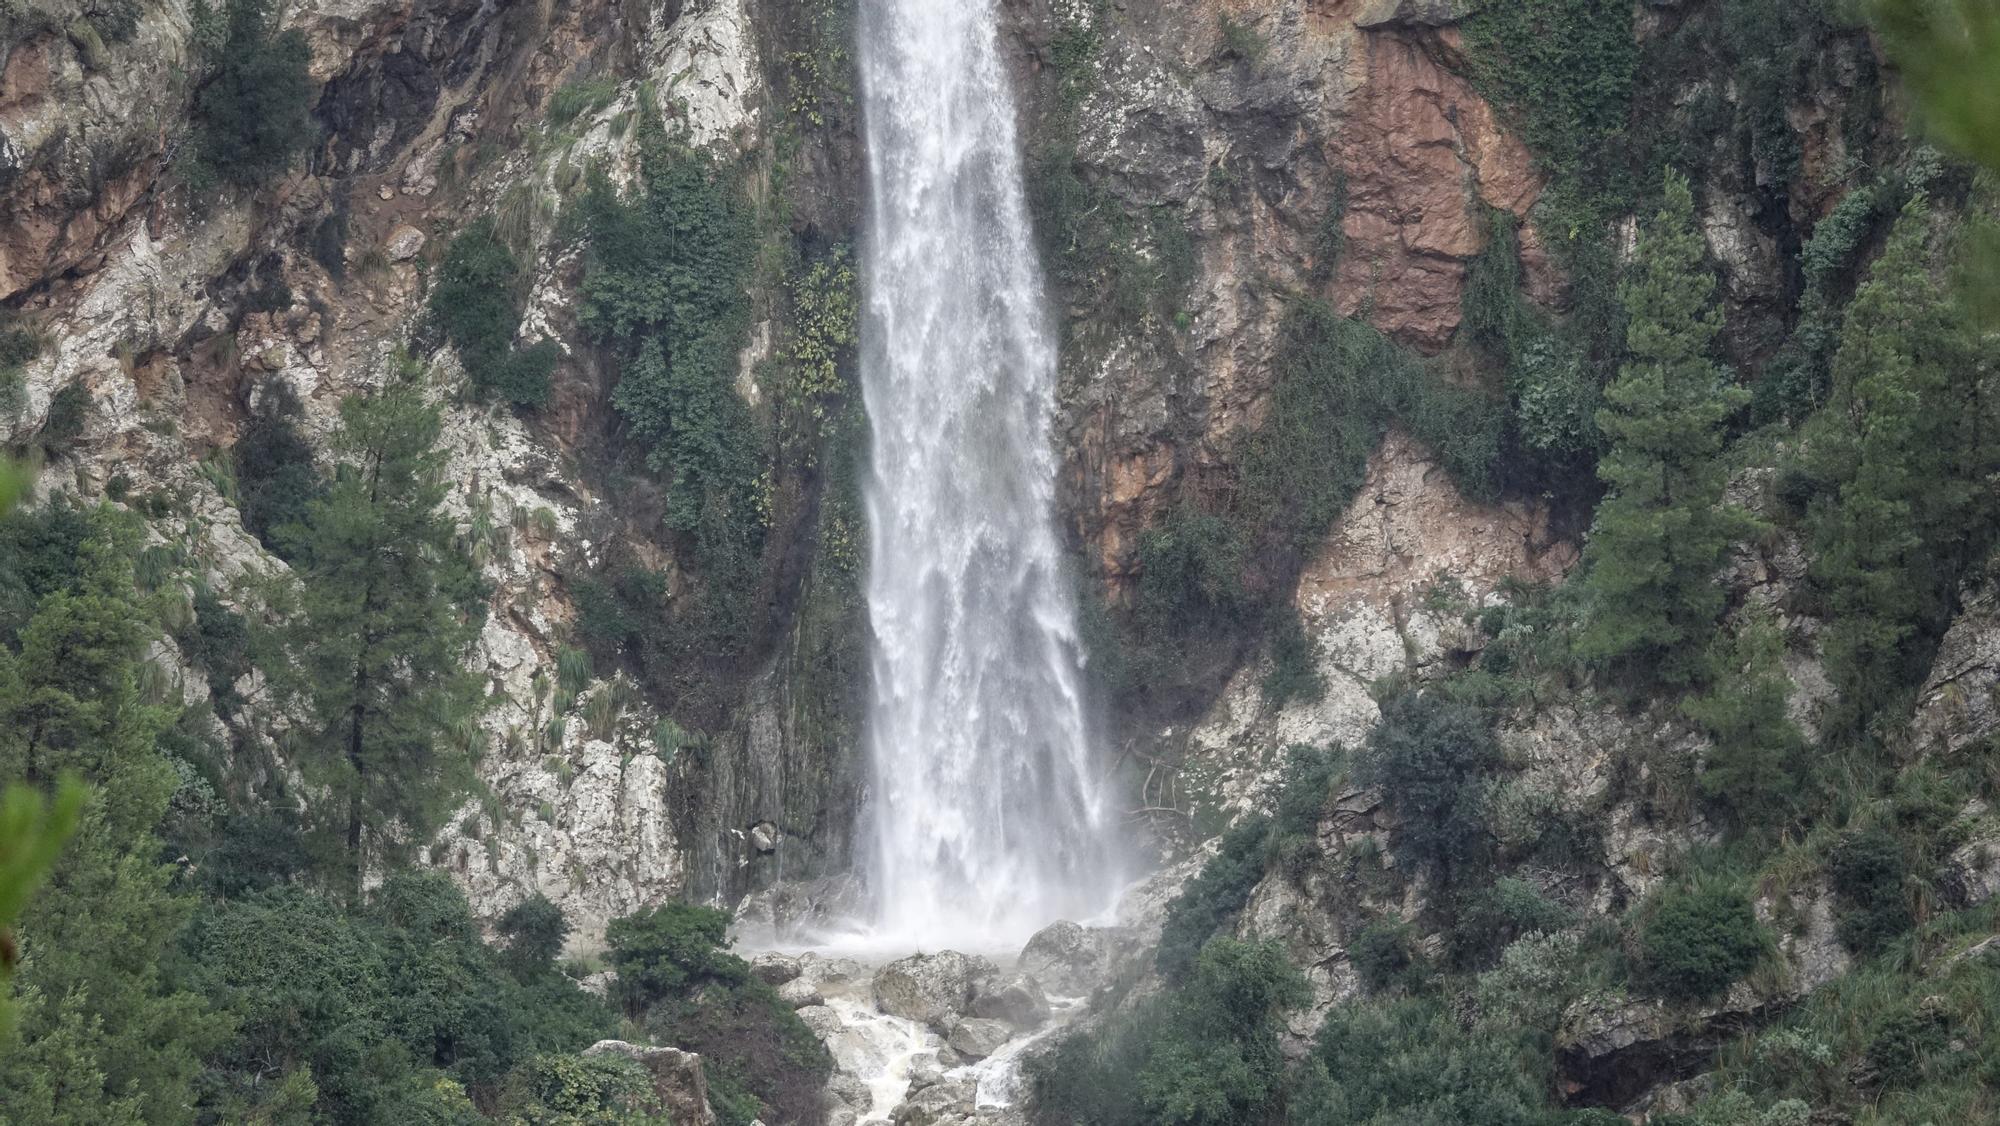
(476,301)
(1213,898)
(1661,534)
(1434,759)
(1697,941)
(1190,573)
(372,1005)
(535,931)
(1384,955)
(671,950)
(388,607)
(1412,1062)
(581,97)
(1565,70)
(1946,49)
(1900,454)
(275,477)
(254,114)
(33,831)
(1869,872)
(1757,760)
(100,1035)
(1487,921)
(1340,384)
(1294,673)
(1203,1054)
(675,973)
(665,282)
(18,346)
(69,409)
(572,1090)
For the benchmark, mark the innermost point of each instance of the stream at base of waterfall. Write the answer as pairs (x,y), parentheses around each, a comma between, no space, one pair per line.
(939,1037)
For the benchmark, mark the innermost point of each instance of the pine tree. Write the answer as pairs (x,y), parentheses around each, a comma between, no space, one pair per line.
(1661,533)
(391,605)
(101,1038)
(1903,450)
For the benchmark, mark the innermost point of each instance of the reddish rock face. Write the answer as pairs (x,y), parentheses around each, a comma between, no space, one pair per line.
(1423,157)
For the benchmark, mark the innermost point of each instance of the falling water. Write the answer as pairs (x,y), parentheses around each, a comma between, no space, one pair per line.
(986,816)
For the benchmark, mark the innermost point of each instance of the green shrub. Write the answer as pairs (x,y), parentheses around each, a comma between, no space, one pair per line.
(579,1090)
(1212,899)
(275,475)
(1433,758)
(69,409)
(1190,573)
(1490,919)
(675,973)
(18,346)
(535,931)
(1868,871)
(475,300)
(1412,1062)
(1203,1053)
(1564,70)
(1294,671)
(581,97)
(1384,955)
(1695,942)
(254,115)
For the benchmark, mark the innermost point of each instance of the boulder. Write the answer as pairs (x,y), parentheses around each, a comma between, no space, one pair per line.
(932,989)
(975,1038)
(824,1022)
(774,968)
(800,993)
(944,1101)
(1017,999)
(677,1077)
(1069,959)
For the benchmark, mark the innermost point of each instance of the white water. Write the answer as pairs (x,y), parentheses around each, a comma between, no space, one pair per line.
(986,817)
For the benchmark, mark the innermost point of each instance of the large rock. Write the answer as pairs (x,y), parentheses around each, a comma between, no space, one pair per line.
(774,968)
(677,1077)
(975,1038)
(931,989)
(1070,960)
(1017,999)
(800,994)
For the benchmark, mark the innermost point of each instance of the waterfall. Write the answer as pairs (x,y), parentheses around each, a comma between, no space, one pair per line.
(986,816)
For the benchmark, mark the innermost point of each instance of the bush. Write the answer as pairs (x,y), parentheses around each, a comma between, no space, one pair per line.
(255,114)
(1190,573)
(1490,919)
(1698,941)
(674,973)
(1433,759)
(1294,671)
(475,300)
(1384,955)
(1203,1053)
(1412,1062)
(69,408)
(535,931)
(275,476)
(1868,872)
(1213,898)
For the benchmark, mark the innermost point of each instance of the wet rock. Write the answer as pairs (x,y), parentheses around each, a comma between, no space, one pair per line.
(1069,959)
(945,1101)
(677,1078)
(800,994)
(824,1022)
(931,989)
(1017,999)
(850,1089)
(975,1038)
(775,968)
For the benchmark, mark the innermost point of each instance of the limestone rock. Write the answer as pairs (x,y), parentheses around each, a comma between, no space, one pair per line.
(931,989)
(677,1076)
(774,968)
(975,1038)
(799,994)
(1017,999)
(824,1022)
(1070,960)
